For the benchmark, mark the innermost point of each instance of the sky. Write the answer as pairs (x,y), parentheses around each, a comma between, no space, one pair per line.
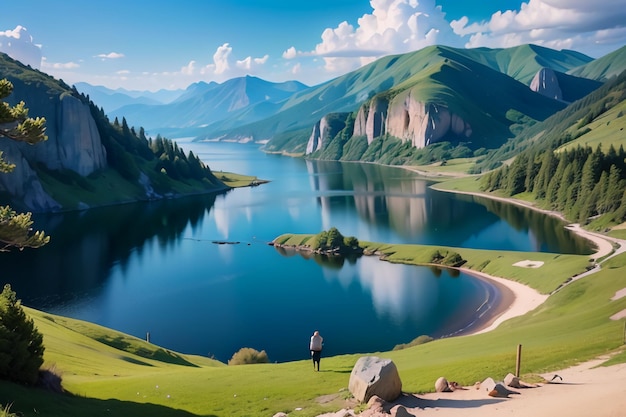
(170,44)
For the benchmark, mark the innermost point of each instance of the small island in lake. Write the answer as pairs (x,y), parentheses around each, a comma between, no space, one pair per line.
(330,242)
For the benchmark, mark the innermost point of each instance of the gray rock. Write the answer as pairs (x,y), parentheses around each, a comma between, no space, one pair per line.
(23,183)
(442,385)
(495,389)
(546,83)
(375,376)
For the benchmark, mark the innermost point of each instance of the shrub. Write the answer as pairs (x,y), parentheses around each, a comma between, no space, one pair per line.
(248,355)
(420,340)
(21,344)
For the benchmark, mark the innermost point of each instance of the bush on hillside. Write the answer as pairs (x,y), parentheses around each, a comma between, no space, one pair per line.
(248,355)
(420,340)
(21,344)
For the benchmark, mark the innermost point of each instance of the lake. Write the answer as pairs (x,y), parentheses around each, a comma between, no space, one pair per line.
(156,268)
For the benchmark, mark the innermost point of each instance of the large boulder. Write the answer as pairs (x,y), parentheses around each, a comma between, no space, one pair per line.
(442,385)
(375,376)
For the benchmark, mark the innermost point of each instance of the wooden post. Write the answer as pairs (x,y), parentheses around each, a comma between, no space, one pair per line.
(518,362)
(148,337)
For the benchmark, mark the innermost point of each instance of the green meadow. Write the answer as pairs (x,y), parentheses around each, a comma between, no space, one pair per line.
(109,373)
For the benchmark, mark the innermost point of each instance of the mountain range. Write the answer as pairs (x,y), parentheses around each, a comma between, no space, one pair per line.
(487,94)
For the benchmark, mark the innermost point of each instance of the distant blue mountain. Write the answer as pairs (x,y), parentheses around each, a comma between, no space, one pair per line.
(202,104)
(111,100)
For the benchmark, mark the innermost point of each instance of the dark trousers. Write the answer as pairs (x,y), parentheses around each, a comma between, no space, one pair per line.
(316,355)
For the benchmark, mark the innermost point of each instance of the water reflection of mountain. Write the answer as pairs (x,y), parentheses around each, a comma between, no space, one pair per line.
(546,229)
(396,198)
(86,244)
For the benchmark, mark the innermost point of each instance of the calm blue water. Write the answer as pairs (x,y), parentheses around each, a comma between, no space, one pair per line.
(154,267)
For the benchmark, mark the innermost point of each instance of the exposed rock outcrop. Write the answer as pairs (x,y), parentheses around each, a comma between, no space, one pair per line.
(546,83)
(73,139)
(376,120)
(23,183)
(404,117)
(424,123)
(375,376)
(319,136)
(73,143)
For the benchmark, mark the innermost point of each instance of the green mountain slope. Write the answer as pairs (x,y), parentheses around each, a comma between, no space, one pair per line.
(603,68)
(597,119)
(87,160)
(348,92)
(522,62)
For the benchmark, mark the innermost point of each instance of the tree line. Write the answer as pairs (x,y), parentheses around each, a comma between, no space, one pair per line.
(582,183)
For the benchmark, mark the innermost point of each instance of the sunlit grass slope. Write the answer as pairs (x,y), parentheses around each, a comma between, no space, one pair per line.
(109,373)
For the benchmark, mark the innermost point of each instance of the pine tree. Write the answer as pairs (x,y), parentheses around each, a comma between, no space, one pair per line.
(15,229)
(546,171)
(21,344)
(613,193)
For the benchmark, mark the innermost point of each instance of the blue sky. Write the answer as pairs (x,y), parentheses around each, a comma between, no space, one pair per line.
(153,44)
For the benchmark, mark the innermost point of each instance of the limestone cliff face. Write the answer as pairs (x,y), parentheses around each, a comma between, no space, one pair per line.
(545,82)
(73,143)
(371,120)
(323,132)
(73,139)
(316,140)
(23,183)
(409,119)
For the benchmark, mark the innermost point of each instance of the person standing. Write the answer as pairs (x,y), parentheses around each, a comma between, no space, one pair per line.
(315,346)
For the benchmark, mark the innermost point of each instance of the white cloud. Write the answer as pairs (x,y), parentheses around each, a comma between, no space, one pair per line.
(394,26)
(58,65)
(18,44)
(290,53)
(221,58)
(249,63)
(296,69)
(110,55)
(585,26)
(189,69)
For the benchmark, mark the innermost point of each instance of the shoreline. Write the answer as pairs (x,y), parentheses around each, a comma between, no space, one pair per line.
(517,299)
(514,300)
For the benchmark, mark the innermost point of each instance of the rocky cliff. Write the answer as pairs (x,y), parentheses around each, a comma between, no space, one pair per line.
(546,83)
(404,117)
(324,130)
(73,144)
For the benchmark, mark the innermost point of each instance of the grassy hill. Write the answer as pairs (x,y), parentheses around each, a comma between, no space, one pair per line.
(596,119)
(137,168)
(604,68)
(346,93)
(109,373)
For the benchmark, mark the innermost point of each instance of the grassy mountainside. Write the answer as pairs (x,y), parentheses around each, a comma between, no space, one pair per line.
(138,168)
(106,372)
(604,68)
(346,93)
(524,61)
(597,119)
